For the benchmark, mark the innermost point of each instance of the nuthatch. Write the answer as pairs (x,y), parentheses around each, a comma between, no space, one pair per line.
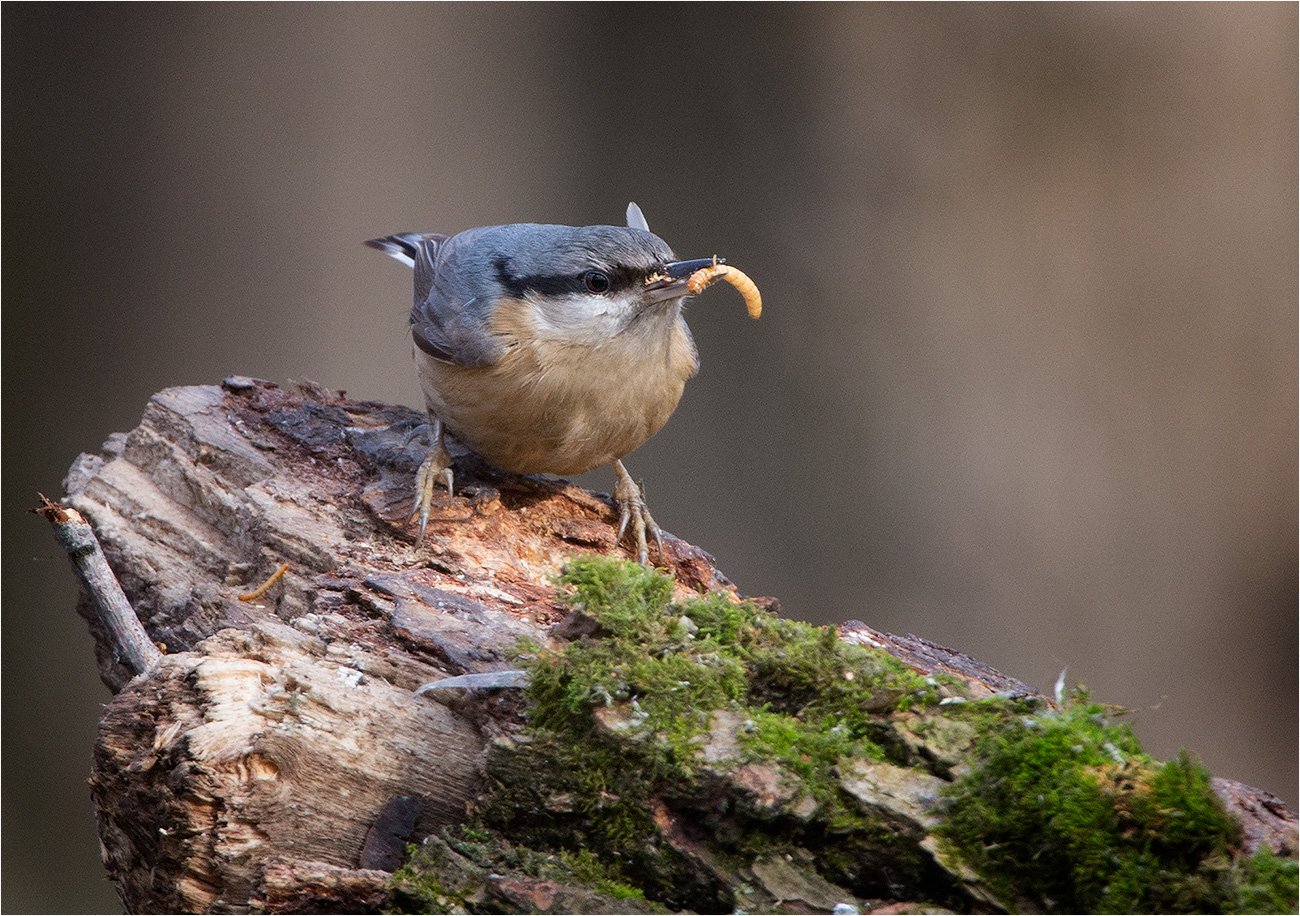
(549,349)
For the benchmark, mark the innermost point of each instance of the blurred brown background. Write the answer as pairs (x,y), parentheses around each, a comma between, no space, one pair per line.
(1025,384)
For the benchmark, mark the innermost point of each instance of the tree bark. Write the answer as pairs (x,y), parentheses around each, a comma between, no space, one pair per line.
(276,757)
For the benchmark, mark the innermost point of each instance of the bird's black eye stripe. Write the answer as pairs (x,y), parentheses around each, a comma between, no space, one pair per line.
(594,280)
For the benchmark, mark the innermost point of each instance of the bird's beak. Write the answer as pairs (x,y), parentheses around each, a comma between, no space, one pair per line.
(669,282)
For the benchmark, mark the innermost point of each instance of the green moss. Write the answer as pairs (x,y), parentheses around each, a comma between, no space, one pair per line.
(1059,810)
(813,696)
(606,878)
(421,884)
(618,718)
(811,751)
(809,671)
(1265,883)
(1064,813)
(626,598)
(671,665)
(461,869)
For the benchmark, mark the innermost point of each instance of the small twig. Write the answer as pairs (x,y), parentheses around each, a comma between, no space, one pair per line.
(265,586)
(131,644)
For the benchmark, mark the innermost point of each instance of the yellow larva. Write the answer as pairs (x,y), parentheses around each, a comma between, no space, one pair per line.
(702,278)
(265,586)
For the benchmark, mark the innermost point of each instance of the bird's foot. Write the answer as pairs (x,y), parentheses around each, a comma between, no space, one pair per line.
(436,466)
(632,511)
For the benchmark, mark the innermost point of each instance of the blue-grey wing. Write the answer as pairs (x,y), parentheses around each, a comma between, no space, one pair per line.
(448,314)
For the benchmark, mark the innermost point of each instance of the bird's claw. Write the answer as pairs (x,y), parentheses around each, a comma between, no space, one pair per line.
(436,466)
(632,510)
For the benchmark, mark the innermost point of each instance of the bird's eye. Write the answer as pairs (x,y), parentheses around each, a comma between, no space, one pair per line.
(596,281)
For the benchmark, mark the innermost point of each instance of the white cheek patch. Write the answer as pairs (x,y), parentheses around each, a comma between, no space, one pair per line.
(581,318)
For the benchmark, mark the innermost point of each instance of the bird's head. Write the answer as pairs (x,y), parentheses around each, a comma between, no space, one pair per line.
(582,284)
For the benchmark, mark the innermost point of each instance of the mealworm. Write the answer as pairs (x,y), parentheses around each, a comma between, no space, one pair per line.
(700,280)
(265,586)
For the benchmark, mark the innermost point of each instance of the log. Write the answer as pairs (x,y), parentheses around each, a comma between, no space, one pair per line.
(276,756)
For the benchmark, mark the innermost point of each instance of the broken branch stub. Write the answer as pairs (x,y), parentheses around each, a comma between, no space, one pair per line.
(130,643)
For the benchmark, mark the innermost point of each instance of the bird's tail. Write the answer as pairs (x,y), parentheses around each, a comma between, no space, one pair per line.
(404,246)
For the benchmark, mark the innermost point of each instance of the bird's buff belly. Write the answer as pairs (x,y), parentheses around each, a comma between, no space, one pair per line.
(537,422)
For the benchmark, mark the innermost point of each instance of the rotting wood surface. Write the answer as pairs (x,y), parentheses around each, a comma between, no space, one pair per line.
(277,758)
(268,740)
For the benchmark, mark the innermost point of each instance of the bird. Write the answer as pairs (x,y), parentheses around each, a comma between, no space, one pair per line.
(549,349)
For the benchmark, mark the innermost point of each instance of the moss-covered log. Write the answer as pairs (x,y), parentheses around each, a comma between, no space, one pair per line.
(675,748)
(711,756)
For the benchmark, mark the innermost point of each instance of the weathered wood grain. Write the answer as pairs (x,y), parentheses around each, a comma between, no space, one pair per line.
(272,734)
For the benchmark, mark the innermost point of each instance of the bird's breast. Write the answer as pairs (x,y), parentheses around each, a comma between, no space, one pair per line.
(553,406)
